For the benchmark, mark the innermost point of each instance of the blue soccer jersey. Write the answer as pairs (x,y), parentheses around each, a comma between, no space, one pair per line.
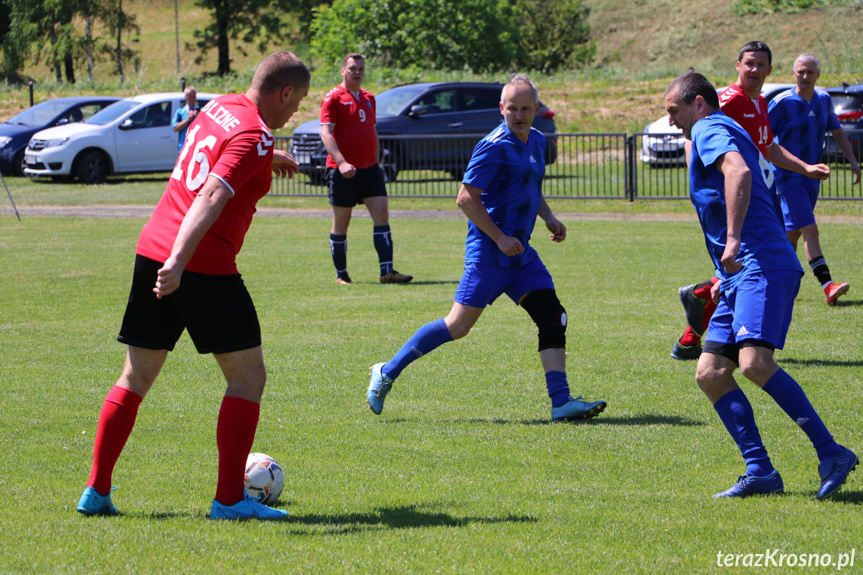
(764,245)
(509,173)
(800,126)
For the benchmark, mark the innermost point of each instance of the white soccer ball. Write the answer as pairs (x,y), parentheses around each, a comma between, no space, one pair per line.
(264,478)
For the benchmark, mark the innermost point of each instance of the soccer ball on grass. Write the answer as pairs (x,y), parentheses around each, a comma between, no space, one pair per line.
(264,478)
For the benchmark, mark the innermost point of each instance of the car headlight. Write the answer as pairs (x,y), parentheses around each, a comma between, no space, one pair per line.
(54,142)
(4,140)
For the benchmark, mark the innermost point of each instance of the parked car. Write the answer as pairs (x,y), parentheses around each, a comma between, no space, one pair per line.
(130,136)
(17,130)
(453,117)
(663,144)
(848,105)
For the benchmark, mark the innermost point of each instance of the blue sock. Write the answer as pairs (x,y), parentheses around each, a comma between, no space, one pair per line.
(383,241)
(558,388)
(427,338)
(735,411)
(788,395)
(339,250)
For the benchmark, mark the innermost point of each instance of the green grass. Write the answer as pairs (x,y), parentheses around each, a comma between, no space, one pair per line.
(462,472)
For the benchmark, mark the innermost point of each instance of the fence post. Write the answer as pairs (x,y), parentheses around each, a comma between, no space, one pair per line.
(183,84)
(629,162)
(30,83)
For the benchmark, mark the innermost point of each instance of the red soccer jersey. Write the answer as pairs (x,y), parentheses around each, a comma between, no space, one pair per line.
(751,115)
(354,121)
(229,141)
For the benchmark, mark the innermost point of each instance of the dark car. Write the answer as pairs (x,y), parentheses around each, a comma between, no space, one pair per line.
(848,105)
(429,126)
(17,131)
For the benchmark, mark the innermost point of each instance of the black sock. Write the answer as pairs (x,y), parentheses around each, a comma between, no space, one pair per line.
(821,271)
(384,245)
(339,249)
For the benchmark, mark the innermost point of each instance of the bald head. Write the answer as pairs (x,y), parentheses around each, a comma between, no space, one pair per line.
(279,70)
(808,58)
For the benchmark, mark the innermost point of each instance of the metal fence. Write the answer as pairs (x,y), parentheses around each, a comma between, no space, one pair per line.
(582,166)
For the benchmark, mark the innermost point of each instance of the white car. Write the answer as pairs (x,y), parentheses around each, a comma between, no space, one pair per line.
(130,136)
(662,144)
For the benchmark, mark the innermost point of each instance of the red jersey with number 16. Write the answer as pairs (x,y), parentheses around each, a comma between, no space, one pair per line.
(229,141)
(354,119)
(751,115)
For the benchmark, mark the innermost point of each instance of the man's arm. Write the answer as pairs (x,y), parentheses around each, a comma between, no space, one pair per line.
(738,186)
(328,137)
(555,226)
(284,164)
(205,210)
(182,125)
(469,202)
(779,156)
(841,138)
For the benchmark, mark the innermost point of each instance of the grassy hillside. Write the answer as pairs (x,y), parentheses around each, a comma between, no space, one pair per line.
(641,45)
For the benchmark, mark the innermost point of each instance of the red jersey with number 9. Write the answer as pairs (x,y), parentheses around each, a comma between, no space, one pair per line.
(229,141)
(751,115)
(354,119)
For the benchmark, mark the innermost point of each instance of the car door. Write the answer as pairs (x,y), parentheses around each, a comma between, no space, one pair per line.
(436,113)
(145,140)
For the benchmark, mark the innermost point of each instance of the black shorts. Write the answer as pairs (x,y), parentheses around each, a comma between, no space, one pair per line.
(217,310)
(348,192)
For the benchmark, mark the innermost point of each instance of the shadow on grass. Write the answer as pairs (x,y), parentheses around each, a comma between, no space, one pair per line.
(642,419)
(818,362)
(402,517)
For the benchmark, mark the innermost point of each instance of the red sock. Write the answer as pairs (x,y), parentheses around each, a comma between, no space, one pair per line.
(702,290)
(116,421)
(708,313)
(235,434)
(689,337)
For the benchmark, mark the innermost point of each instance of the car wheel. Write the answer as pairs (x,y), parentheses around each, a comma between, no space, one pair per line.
(18,164)
(388,165)
(92,167)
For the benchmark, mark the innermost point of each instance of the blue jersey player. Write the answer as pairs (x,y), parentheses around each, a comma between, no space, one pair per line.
(732,190)
(501,195)
(800,118)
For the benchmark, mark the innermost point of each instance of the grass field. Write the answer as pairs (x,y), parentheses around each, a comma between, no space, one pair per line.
(462,473)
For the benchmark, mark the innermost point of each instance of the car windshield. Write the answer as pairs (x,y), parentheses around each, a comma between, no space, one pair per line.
(394,100)
(112,112)
(40,114)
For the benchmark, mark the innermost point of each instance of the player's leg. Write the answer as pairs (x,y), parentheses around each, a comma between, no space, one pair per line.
(342,200)
(768,325)
(375,198)
(815,257)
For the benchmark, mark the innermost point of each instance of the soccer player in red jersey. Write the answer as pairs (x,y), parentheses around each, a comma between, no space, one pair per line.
(353,173)
(186,278)
(743,103)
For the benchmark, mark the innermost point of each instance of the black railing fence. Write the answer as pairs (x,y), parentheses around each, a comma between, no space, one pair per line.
(579,166)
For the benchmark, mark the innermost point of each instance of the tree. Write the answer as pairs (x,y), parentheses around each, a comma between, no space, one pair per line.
(477,35)
(253,22)
(554,33)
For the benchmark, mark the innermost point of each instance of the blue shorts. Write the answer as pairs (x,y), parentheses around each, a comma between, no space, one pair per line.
(757,311)
(798,196)
(481,284)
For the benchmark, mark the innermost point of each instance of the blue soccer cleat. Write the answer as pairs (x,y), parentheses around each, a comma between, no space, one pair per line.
(247,508)
(575,408)
(834,471)
(379,386)
(753,485)
(92,503)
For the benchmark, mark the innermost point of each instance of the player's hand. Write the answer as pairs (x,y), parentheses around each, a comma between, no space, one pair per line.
(284,164)
(729,256)
(855,169)
(192,114)
(168,278)
(347,170)
(510,246)
(557,229)
(818,171)
(714,292)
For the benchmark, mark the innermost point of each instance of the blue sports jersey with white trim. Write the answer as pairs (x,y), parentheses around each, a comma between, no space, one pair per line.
(509,173)
(764,245)
(800,126)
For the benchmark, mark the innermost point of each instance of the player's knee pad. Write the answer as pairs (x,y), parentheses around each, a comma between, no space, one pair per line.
(549,316)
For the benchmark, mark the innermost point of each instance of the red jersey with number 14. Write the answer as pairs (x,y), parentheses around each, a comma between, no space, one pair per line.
(229,141)
(354,119)
(751,115)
